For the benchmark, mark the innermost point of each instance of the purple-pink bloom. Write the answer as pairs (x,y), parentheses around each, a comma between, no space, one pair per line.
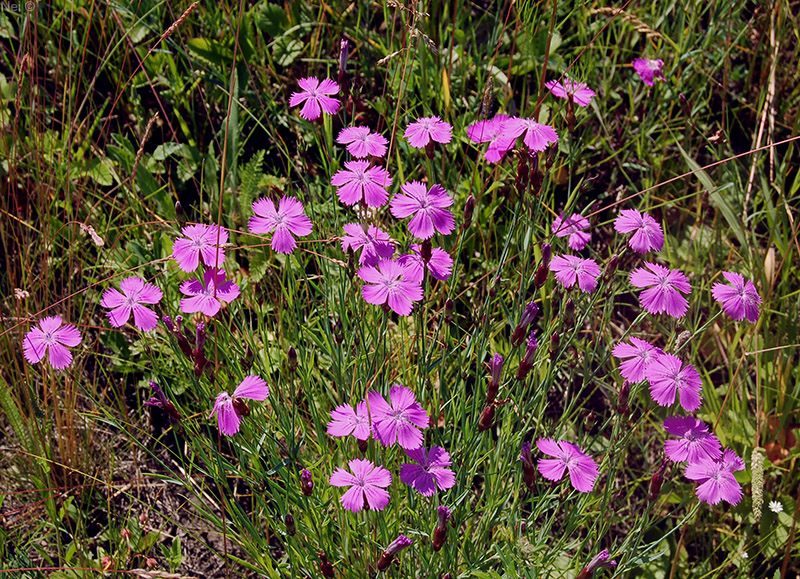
(399,422)
(390,283)
(639,354)
(583,471)
(427,129)
(665,293)
(669,376)
(135,292)
(695,441)
(204,241)
(346,421)
(440,264)
(367,482)
(648,70)
(362,142)
(573,226)
(492,131)
(432,472)
(360,181)
(50,336)
(288,221)
(598,561)
(427,207)
(739,300)
(537,135)
(207,296)
(230,409)
(315,96)
(578,92)
(715,478)
(647,232)
(570,268)
(375,244)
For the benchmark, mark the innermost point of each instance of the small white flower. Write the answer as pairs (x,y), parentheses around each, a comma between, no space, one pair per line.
(776,507)
(745,555)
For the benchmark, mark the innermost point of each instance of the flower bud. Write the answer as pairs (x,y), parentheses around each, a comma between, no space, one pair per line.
(547,252)
(440,532)
(199,352)
(599,560)
(622,400)
(685,105)
(469,208)
(611,267)
(426,251)
(325,566)
(291,528)
(528,315)
(393,549)
(306,483)
(159,400)
(344,54)
(249,358)
(496,366)
(487,418)
(656,481)
(429,150)
(291,357)
(528,467)
(555,342)
(526,364)
(522,180)
(569,312)
(449,306)
(540,277)
(180,214)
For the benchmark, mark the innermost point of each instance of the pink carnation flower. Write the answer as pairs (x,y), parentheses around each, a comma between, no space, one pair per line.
(50,336)
(427,129)
(739,300)
(362,142)
(360,181)
(367,484)
(573,226)
(569,269)
(648,70)
(431,472)
(427,207)
(346,421)
(583,471)
(440,265)
(715,478)
(639,354)
(288,221)
(135,292)
(390,283)
(664,289)
(315,96)
(669,376)
(647,232)
(579,92)
(492,131)
(374,243)
(399,422)
(537,135)
(231,409)
(204,241)
(695,441)
(207,296)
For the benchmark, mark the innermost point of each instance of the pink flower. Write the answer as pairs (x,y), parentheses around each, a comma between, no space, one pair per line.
(715,478)
(537,135)
(346,421)
(665,293)
(288,221)
(427,207)
(579,92)
(390,283)
(739,300)
(204,241)
(424,130)
(573,226)
(583,471)
(51,337)
(440,265)
(374,243)
(696,442)
(367,482)
(639,354)
(647,232)
(492,131)
(231,409)
(648,70)
(669,376)
(315,96)
(362,182)
(431,473)
(207,296)
(569,269)
(399,422)
(362,142)
(135,292)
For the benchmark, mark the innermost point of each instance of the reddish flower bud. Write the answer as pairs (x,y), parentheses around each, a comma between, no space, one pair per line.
(449,306)
(306,483)
(528,466)
(487,418)
(469,208)
(325,567)
(291,359)
(599,560)
(656,481)
(622,400)
(395,547)
(291,528)
(440,533)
